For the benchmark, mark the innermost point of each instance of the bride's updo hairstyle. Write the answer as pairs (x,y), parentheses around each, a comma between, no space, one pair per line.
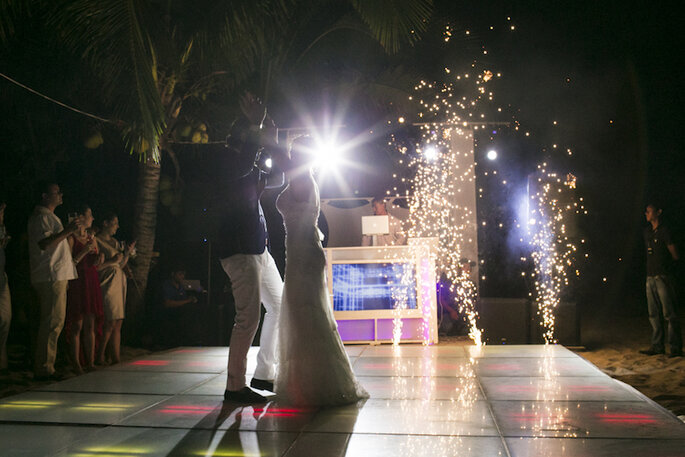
(302,155)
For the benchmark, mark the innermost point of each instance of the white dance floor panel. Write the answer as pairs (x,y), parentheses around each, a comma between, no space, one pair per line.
(429,401)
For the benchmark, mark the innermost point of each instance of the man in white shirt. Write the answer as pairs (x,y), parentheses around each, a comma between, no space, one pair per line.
(51,269)
(395,237)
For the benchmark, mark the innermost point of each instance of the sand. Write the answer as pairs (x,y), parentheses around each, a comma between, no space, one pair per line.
(658,377)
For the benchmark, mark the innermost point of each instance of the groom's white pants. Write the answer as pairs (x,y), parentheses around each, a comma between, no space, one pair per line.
(254,279)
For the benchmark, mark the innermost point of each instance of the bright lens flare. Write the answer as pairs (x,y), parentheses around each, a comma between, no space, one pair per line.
(431,153)
(327,156)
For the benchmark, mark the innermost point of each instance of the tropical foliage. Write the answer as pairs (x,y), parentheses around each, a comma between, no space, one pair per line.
(157,62)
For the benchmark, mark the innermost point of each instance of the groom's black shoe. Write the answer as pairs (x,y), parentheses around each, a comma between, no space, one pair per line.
(244,395)
(262,384)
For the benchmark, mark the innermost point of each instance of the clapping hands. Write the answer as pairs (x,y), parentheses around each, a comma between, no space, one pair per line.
(252,108)
(256,113)
(131,249)
(92,245)
(75,225)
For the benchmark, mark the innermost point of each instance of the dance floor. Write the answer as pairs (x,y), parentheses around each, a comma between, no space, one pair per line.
(425,401)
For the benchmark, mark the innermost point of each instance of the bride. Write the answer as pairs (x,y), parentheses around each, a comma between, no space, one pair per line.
(313,369)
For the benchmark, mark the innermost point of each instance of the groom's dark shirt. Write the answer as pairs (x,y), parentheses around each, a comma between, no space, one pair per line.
(241,222)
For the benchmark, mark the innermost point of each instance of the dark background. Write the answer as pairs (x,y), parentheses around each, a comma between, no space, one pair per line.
(607,72)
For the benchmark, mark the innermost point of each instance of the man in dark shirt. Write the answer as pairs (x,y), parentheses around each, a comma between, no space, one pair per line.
(661,298)
(242,248)
(178,321)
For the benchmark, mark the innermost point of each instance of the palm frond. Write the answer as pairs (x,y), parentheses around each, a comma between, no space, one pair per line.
(395,22)
(13,11)
(112,38)
(250,33)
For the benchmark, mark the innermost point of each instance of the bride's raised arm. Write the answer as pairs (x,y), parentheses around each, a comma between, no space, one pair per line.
(297,165)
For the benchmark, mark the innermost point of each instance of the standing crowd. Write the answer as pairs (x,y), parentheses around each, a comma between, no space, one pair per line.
(78,274)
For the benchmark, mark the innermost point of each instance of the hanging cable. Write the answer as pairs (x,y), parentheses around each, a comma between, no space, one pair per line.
(56,101)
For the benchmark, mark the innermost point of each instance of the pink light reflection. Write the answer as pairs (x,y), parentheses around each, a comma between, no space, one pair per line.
(204,364)
(150,363)
(201,410)
(187,409)
(279,410)
(627,418)
(183,411)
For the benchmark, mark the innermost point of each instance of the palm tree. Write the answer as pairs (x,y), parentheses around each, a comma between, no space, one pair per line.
(156,58)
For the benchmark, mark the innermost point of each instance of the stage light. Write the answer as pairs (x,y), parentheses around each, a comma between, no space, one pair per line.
(430,153)
(326,156)
(268,163)
(492,154)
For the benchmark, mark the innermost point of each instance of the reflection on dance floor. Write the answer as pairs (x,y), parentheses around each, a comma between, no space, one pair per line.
(425,401)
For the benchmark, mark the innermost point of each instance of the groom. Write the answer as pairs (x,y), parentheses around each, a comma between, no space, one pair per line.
(242,248)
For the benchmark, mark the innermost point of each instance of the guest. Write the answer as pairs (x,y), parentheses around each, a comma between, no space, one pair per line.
(84,297)
(51,269)
(113,285)
(661,297)
(396,235)
(448,315)
(178,320)
(450,319)
(175,294)
(5,300)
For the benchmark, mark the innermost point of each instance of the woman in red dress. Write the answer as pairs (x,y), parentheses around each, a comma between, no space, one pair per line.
(84,297)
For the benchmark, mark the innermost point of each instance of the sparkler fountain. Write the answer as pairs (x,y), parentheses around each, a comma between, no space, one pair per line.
(441,167)
(553,248)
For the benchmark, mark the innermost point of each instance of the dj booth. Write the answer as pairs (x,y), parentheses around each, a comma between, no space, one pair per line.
(382,293)
(379,294)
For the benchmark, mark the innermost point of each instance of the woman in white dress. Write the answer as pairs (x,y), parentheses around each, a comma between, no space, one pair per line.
(113,284)
(313,368)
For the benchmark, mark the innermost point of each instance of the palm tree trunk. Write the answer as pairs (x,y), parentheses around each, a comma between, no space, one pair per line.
(144,226)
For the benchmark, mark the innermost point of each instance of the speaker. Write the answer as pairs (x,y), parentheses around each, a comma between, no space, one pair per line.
(566,324)
(504,320)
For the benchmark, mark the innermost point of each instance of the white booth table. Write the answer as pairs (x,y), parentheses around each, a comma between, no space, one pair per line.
(381,294)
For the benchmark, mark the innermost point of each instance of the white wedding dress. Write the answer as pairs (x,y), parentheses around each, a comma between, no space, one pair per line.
(313,368)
